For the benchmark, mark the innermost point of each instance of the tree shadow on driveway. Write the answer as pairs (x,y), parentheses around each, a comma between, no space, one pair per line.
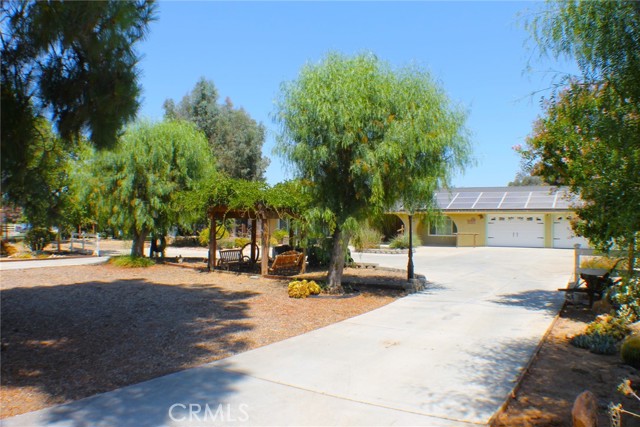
(537,300)
(199,396)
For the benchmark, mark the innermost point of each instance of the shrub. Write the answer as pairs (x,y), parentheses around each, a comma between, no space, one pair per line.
(626,296)
(185,241)
(596,343)
(609,325)
(320,256)
(226,243)
(24,255)
(401,241)
(279,235)
(603,262)
(303,288)
(129,261)
(602,335)
(39,237)
(7,249)
(203,236)
(630,351)
(366,238)
(241,241)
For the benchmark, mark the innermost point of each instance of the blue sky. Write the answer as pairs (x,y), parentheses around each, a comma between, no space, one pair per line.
(477,50)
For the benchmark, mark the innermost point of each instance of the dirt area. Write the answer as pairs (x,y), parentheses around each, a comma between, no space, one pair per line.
(68,333)
(561,372)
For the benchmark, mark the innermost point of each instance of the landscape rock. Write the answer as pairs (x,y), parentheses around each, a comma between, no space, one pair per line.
(585,410)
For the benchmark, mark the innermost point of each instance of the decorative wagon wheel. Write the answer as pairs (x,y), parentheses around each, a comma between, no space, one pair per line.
(248,254)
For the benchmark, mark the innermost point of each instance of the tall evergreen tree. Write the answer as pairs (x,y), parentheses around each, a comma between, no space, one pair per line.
(235,138)
(72,61)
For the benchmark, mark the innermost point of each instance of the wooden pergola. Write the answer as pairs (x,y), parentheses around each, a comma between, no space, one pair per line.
(258,213)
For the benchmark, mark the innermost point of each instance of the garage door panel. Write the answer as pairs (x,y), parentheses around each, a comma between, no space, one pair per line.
(563,234)
(515,230)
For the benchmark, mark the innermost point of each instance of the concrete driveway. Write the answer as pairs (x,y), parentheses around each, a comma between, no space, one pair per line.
(447,356)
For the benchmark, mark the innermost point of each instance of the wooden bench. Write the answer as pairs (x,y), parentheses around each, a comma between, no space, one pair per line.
(287,263)
(231,258)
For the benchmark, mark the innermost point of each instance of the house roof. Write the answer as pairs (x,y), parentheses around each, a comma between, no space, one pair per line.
(480,199)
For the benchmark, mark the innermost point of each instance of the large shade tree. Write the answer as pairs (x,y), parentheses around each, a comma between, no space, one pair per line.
(72,61)
(363,136)
(589,136)
(589,140)
(138,184)
(235,138)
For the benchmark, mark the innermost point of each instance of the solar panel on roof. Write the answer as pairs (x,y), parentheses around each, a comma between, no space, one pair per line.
(514,198)
(464,200)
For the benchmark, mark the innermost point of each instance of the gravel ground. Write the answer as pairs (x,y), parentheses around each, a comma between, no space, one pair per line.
(560,372)
(71,332)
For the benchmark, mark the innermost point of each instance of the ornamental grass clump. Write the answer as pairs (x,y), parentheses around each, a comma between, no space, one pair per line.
(303,288)
(366,237)
(401,241)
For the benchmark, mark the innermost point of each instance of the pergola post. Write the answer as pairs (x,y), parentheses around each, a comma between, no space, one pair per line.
(254,226)
(264,267)
(304,254)
(212,242)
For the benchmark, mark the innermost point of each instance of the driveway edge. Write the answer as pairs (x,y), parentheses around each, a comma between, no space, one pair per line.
(525,371)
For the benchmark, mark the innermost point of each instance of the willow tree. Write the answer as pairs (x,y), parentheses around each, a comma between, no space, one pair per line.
(363,136)
(138,184)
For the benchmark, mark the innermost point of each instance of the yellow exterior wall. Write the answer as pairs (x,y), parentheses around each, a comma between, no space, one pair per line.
(469,224)
(548,230)
(421,230)
(428,240)
(466,223)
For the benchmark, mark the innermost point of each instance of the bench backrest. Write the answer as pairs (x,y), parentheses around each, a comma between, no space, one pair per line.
(230,254)
(287,260)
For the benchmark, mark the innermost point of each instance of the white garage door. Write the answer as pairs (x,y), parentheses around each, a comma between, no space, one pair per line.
(563,235)
(525,231)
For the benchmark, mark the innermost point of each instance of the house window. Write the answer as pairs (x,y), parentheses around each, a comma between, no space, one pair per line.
(443,227)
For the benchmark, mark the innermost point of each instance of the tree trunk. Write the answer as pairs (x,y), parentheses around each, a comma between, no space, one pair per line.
(336,265)
(163,246)
(59,238)
(137,246)
(152,246)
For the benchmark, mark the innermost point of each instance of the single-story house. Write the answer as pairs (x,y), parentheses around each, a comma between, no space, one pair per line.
(536,217)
